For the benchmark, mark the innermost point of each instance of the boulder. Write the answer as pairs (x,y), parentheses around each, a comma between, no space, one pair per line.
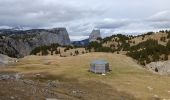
(159,67)
(5,60)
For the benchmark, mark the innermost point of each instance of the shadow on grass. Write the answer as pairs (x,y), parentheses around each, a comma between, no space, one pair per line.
(43,77)
(8,72)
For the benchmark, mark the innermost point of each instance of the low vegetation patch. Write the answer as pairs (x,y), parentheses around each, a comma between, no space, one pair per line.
(45,77)
(149,51)
(44,49)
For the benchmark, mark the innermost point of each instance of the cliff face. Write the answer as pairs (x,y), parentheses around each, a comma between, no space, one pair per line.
(20,43)
(94,35)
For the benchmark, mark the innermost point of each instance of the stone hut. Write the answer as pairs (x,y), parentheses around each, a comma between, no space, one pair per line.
(99,66)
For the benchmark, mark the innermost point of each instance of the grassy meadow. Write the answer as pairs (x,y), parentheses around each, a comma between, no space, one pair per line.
(126,77)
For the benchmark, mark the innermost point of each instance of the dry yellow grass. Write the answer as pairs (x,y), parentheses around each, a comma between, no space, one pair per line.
(126,75)
(67,53)
(156,36)
(137,40)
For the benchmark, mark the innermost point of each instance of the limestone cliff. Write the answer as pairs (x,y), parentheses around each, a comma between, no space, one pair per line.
(20,43)
(94,35)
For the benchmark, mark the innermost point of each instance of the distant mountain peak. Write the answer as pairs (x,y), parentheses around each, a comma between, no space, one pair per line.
(95,34)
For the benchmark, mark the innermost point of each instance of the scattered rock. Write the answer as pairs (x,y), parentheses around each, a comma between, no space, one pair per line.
(37,75)
(11,77)
(168,91)
(18,76)
(162,68)
(51,99)
(4,77)
(128,83)
(103,74)
(52,83)
(156,96)
(74,92)
(150,88)
(12,97)
(29,82)
(5,60)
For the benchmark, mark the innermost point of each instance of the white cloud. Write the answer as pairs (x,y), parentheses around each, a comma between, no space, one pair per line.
(109,23)
(5,27)
(163,16)
(81,16)
(78,38)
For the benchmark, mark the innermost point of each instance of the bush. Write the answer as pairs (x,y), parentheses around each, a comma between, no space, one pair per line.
(76,52)
(163,39)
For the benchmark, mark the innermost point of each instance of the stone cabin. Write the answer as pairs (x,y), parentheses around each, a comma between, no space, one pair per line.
(99,67)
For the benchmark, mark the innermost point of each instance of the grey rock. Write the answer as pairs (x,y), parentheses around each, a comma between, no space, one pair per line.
(18,76)
(4,77)
(94,35)
(20,43)
(159,67)
(51,99)
(10,77)
(12,97)
(52,84)
(29,82)
(5,60)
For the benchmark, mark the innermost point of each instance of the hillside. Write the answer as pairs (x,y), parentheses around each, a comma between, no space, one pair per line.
(58,50)
(162,37)
(145,48)
(126,80)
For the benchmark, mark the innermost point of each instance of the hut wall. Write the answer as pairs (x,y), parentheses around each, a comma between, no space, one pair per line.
(92,68)
(107,68)
(100,68)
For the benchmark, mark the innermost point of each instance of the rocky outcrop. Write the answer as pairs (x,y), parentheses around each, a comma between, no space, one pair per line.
(162,68)
(5,60)
(16,43)
(94,35)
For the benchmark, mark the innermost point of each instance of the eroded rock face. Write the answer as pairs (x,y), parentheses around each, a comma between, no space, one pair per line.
(162,68)
(5,60)
(20,43)
(94,35)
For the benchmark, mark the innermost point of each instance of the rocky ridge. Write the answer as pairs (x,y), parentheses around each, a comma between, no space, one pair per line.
(94,35)
(16,43)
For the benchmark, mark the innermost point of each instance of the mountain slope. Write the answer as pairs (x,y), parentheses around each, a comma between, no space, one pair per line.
(145,48)
(81,43)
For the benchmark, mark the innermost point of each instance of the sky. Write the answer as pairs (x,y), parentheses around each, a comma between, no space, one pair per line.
(80,17)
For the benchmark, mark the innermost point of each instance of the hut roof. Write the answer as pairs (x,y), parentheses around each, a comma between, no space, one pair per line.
(99,62)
